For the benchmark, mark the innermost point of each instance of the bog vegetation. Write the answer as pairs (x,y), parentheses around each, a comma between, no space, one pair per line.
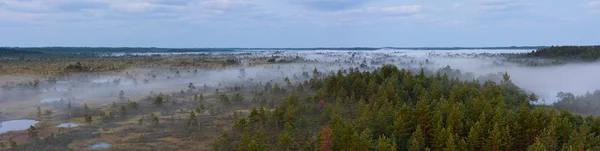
(360,105)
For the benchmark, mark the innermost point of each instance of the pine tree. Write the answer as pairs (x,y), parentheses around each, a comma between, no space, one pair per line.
(86,109)
(122,95)
(69,107)
(285,141)
(494,140)
(155,118)
(474,137)
(32,132)
(141,121)
(422,115)
(523,121)
(192,119)
(158,101)
(438,131)
(191,87)
(548,137)
(385,144)
(402,126)
(450,142)
(88,119)
(507,138)
(133,105)
(254,146)
(123,111)
(225,99)
(39,112)
(364,139)
(417,142)
(537,146)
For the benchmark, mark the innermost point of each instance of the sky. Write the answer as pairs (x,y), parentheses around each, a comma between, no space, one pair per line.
(298,23)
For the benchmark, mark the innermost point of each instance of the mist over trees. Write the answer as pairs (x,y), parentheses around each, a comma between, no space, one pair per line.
(588,104)
(300,100)
(395,109)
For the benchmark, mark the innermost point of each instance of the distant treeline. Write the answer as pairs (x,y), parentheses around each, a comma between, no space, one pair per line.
(585,53)
(154,49)
(52,50)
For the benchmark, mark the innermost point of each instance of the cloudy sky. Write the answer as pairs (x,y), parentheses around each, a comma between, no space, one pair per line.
(298,23)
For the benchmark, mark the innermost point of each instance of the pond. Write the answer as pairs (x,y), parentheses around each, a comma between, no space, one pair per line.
(100,145)
(16,125)
(67,125)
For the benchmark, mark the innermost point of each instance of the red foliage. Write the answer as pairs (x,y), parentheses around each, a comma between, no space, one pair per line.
(218,123)
(326,142)
(322,102)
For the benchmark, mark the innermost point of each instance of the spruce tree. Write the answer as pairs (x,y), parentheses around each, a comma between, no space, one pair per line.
(494,139)
(385,144)
(416,141)
(39,112)
(123,111)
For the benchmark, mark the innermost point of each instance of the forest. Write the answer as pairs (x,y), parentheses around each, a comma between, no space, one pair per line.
(584,53)
(405,100)
(63,50)
(394,109)
(587,104)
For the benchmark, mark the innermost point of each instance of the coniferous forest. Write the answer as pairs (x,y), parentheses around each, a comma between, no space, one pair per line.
(585,53)
(394,109)
(404,100)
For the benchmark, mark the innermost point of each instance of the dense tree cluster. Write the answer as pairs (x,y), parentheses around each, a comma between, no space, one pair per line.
(396,109)
(587,104)
(586,53)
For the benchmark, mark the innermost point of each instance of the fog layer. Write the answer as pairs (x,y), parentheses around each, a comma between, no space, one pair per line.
(139,82)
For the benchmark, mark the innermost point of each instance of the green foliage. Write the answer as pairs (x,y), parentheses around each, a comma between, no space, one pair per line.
(400,109)
(192,119)
(158,101)
(191,87)
(587,104)
(88,119)
(13,143)
(586,53)
(285,141)
(238,98)
(225,100)
(417,142)
(77,67)
(133,104)
(537,146)
(254,146)
(385,144)
(32,132)
(155,118)
(39,112)
(140,121)
(122,95)
(123,111)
